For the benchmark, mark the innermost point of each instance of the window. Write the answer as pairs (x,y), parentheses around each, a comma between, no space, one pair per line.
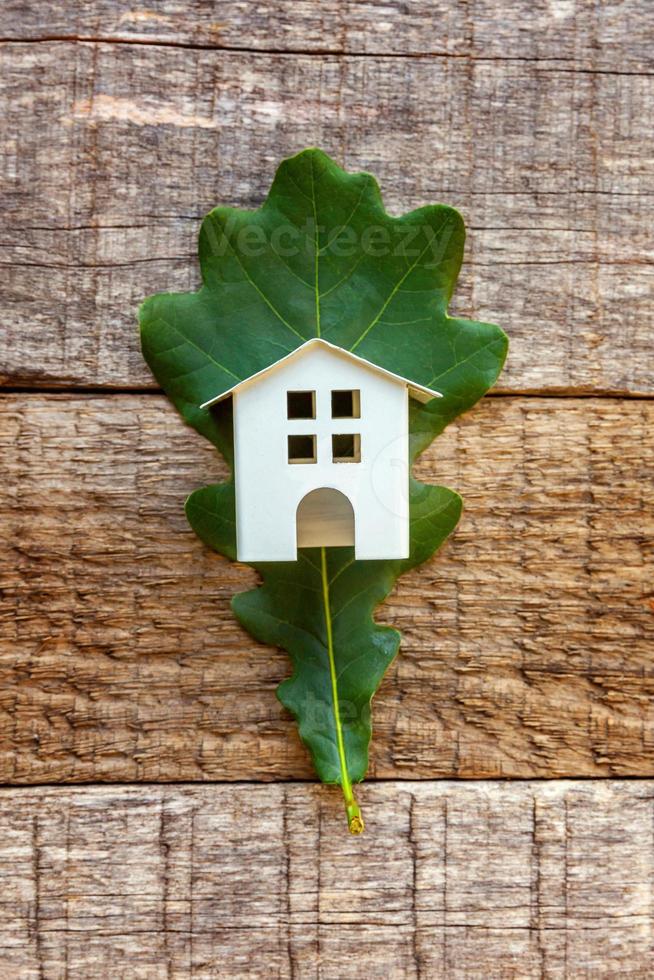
(346,404)
(346,448)
(301,404)
(302,449)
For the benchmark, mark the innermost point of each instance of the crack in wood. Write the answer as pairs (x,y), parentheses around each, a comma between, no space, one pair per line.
(561,64)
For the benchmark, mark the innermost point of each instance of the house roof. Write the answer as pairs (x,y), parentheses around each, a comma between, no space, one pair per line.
(420,392)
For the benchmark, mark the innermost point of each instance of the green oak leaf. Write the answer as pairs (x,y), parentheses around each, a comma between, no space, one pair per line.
(322,258)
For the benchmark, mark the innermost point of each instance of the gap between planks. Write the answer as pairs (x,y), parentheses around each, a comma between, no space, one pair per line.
(100,391)
(367,781)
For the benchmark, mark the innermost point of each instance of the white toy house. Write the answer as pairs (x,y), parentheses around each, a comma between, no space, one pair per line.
(322,455)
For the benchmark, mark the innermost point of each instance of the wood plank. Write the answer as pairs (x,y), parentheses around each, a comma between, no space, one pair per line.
(602,35)
(450,880)
(526,644)
(112,153)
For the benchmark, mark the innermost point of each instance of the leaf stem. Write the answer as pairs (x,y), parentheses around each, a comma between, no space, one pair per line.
(354,818)
(316,262)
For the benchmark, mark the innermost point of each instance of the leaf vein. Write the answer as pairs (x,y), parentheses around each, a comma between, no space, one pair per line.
(260,291)
(390,297)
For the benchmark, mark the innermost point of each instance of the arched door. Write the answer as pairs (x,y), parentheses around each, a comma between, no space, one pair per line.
(325,517)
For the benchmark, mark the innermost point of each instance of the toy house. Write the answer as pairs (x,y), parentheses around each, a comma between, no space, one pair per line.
(322,455)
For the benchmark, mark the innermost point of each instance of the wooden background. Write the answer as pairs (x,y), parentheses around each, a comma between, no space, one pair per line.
(158,816)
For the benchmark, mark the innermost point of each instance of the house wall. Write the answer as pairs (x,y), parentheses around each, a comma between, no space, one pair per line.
(269,488)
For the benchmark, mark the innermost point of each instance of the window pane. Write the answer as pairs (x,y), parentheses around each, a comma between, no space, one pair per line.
(346,448)
(346,404)
(301,404)
(302,449)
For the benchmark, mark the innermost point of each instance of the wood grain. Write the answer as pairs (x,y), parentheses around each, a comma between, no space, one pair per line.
(111,153)
(613,34)
(526,643)
(497,881)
